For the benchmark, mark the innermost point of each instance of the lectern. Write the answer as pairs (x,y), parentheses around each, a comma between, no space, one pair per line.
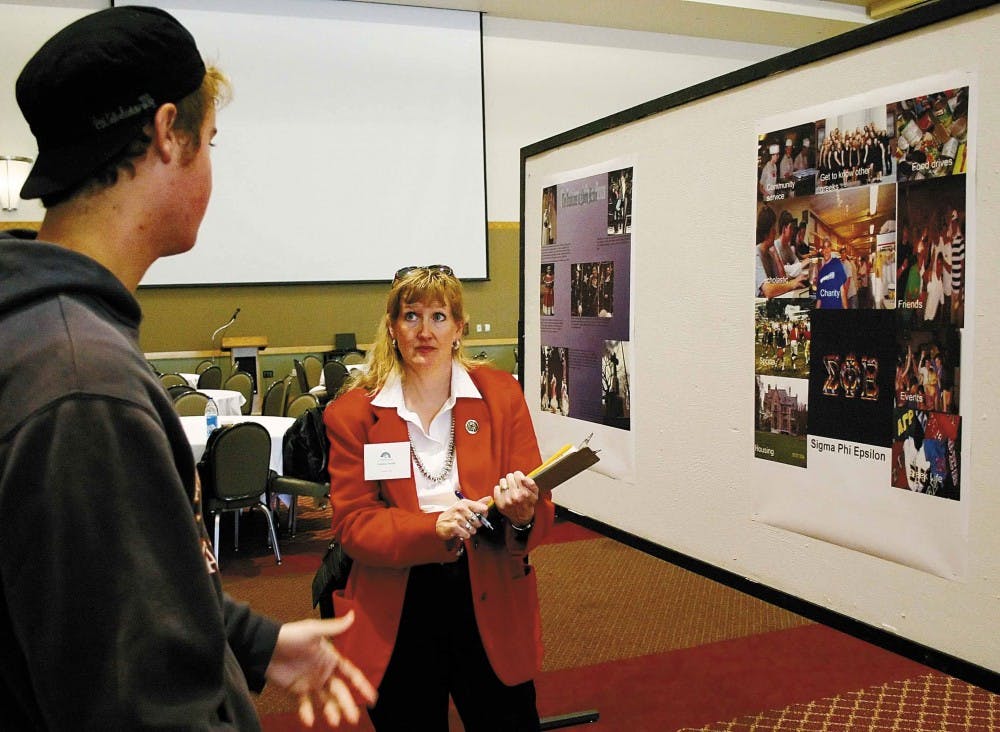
(245,350)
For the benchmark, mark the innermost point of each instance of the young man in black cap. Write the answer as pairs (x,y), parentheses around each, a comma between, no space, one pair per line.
(112,615)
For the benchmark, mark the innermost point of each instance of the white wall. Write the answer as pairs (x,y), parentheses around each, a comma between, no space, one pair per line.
(545,78)
(540,79)
(697,481)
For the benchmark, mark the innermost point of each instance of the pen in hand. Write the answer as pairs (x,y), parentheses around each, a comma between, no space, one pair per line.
(479,517)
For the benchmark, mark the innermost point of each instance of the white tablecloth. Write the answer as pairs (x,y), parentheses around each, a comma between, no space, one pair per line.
(227,400)
(191,379)
(197,434)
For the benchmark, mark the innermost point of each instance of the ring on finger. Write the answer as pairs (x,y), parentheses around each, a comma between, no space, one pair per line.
(468,526)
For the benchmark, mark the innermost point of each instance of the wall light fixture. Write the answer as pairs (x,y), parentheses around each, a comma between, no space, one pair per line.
(13,172)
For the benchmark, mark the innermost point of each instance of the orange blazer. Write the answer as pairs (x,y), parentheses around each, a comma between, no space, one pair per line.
(381,526)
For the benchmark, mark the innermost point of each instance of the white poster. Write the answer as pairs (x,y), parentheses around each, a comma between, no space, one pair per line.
(863,272)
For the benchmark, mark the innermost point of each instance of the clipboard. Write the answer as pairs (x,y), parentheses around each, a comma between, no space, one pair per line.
(564,464)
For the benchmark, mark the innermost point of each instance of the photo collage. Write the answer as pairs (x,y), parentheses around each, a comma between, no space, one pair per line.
(864,212)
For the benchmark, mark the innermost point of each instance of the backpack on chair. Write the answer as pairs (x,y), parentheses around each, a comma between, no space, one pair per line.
(305,448)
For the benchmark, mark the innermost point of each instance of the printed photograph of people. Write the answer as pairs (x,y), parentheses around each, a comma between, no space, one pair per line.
(786,163)
(548,215)
(855,149)
(841,233)
(592,289)
(620,201)
(781,419)
(772,277)
(615,396)
(926,453)
(548,289)
(555,380)
(928,369)
(931,254)
(930,134)
(782,337)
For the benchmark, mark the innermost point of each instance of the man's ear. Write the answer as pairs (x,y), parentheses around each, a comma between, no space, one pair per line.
(165,140)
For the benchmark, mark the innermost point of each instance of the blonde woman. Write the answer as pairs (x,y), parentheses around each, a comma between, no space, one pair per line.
(428,456)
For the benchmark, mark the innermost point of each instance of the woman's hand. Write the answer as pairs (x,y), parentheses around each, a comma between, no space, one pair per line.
(459,521)
(515,496)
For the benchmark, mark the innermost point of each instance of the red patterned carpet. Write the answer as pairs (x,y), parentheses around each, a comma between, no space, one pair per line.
(695,687)
(653,647)
(920,704)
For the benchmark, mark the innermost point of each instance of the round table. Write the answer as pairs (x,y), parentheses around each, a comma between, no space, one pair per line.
(197,433)
(228,401)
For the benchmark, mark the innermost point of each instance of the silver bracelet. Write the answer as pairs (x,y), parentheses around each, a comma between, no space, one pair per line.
(522,529)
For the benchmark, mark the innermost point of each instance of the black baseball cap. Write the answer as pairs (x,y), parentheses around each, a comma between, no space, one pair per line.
(90,88)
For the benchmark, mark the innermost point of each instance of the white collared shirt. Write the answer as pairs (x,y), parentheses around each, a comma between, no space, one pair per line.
(431,446)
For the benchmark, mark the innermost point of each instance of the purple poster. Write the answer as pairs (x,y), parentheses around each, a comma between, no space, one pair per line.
(585,285)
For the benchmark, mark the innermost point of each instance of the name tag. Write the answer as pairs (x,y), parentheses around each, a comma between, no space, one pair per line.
(387,460)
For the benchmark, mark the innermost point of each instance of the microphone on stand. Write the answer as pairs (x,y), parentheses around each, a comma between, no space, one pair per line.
(223,327)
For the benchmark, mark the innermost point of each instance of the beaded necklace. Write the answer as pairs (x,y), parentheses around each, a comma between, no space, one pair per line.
(447,463)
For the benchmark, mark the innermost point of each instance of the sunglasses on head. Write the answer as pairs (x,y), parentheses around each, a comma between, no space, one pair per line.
(403,272)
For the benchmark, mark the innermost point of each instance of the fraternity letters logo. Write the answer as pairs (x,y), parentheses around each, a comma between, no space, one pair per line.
(851,377)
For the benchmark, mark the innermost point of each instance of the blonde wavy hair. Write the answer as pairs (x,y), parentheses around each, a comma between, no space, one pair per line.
(420,284)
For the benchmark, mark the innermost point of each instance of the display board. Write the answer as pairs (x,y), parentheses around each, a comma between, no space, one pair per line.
(827,447)
(354,139)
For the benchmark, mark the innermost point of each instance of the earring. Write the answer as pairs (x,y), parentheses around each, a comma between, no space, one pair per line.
(394,344)
(456,345)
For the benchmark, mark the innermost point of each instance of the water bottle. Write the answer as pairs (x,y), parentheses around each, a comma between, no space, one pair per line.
(211,416)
